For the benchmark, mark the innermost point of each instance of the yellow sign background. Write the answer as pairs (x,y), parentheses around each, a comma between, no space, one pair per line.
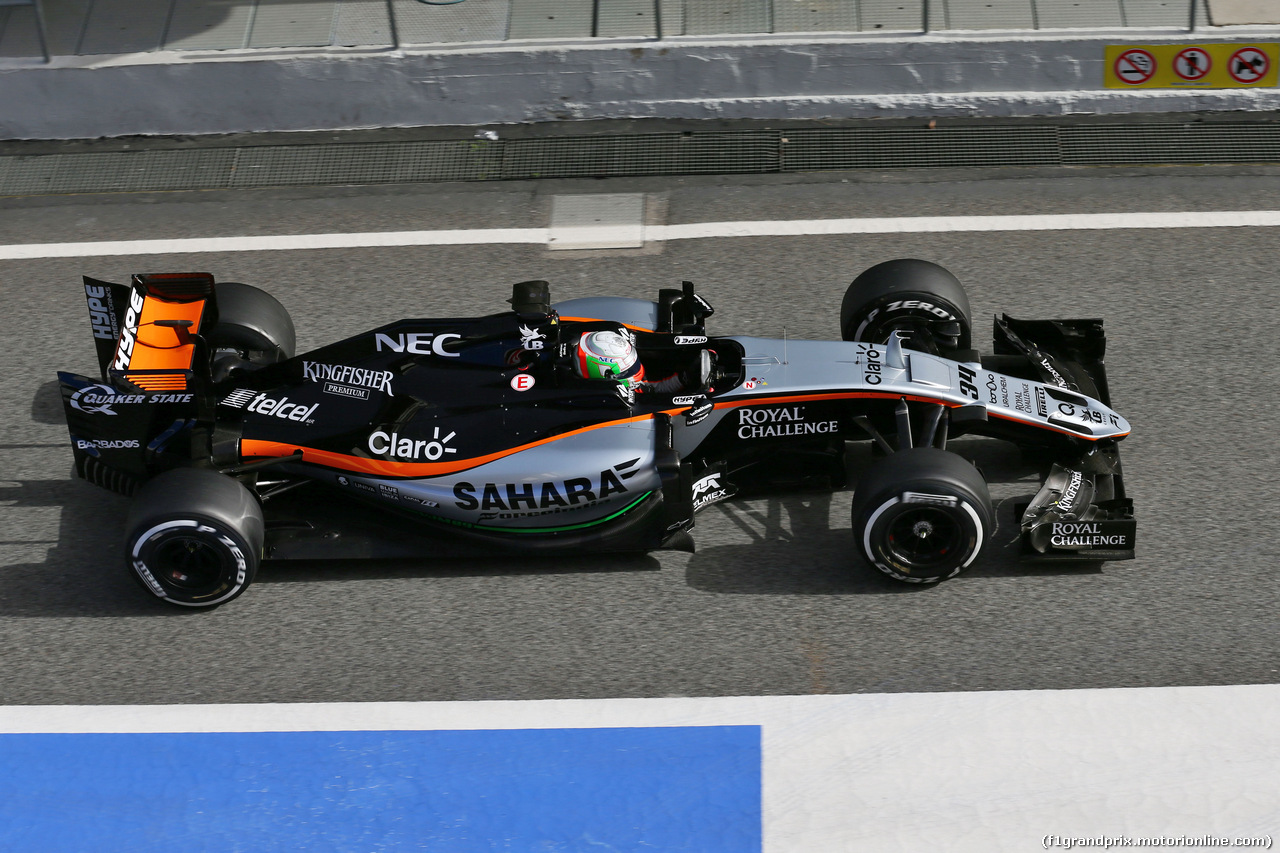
(1164,76)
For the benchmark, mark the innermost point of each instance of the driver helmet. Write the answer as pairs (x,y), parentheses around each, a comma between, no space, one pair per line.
(609,355)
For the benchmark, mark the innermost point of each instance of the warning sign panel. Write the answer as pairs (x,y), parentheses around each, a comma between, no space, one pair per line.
(1191,66)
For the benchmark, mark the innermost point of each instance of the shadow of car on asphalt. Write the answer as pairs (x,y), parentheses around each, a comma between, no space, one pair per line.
(83,572)
(797,544)
(797,548)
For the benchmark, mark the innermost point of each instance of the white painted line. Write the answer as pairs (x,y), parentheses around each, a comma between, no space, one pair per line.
(371,239)
(693,231)
(984,771)
(935,224)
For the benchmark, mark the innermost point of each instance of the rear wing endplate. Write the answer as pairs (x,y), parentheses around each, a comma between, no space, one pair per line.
(148,332)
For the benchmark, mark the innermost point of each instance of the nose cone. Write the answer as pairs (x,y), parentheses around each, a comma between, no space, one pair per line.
(1087,417)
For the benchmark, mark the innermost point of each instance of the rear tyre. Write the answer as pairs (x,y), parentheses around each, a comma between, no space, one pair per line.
(253,330)
(922,515)
(918,297)
(194,537)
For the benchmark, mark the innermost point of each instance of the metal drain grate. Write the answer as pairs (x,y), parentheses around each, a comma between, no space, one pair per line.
(367,163)
(117,171)
(648,154)
(691,153)
(1187,143)
(917,147)
(1029,145)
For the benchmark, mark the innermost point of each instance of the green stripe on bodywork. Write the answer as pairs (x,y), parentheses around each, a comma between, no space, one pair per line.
(622,511)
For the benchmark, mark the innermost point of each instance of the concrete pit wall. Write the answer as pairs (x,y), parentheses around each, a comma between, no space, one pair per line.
(168,94)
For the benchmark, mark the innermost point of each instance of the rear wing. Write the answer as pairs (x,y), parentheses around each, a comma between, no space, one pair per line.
(147,333)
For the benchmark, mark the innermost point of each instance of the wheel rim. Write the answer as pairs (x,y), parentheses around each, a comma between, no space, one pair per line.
(189,563)
(921,329)
(922,538)
(916,333)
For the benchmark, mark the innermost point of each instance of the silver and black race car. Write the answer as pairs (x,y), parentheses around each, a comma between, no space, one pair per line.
(467,436)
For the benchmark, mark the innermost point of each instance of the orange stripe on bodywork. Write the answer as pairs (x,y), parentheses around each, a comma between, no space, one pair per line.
(252,447)
(604,320)
(255,448)
(848,395)
(164,347)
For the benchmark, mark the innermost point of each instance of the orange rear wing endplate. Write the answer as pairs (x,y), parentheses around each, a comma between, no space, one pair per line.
(164,312)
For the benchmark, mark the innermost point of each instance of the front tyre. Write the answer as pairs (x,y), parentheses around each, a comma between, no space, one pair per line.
(921,299)
(194,537)
(922,515)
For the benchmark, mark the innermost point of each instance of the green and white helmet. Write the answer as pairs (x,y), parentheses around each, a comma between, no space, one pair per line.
(609,355)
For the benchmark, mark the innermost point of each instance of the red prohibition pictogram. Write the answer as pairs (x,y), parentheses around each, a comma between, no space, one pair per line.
(1248,65)
(1135,66)
(1192,63)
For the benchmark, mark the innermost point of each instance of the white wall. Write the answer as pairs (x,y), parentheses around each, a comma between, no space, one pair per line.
(169,93)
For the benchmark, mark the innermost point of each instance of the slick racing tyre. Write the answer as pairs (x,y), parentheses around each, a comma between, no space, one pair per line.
(253,330)
(194,537)
(918,297)
(922,515)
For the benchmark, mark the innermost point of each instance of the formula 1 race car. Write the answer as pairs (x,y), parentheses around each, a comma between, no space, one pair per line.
(600,423)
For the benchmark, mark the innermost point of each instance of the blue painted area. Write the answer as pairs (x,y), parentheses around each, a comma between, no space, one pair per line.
(549,790)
